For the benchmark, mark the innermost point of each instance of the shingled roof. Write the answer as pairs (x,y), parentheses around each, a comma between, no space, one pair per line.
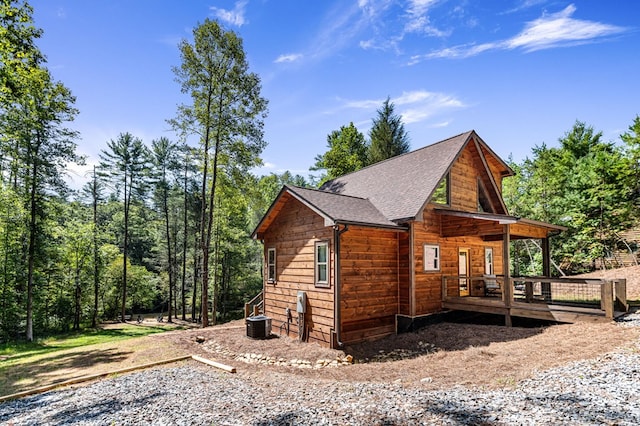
(400,186)
(339,208)
(385,194)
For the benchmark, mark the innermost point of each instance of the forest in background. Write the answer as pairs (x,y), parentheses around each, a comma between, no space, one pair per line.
(164,226)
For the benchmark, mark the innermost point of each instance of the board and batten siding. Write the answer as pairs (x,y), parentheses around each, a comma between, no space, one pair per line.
(293,234)
(370,282)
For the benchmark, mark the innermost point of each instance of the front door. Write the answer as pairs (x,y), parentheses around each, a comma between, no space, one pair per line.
(464,268)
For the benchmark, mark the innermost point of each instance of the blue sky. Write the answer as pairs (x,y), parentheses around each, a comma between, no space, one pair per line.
(519,72)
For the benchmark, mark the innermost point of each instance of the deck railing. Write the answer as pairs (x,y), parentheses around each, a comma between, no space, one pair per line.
(482,286)
(607,295)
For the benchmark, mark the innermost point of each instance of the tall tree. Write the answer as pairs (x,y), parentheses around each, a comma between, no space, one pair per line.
(93,191)
(165,165)
(226,113)
(631,139)
(124,165)
(46,147)
(347,152)
(387,137)
(582,185)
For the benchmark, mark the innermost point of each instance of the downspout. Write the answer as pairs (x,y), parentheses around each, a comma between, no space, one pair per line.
(337,232)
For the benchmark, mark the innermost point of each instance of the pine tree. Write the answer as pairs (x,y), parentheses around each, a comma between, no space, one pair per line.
(387,135)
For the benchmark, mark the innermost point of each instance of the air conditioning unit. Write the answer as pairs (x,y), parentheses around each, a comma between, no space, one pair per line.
(258,327)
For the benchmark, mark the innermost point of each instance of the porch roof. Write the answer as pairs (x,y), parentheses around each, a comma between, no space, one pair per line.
(490,226)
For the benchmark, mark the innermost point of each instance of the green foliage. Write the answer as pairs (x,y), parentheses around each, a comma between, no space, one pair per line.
(387,135)
(226,113)
(347,152)
(265,190)
(583,185)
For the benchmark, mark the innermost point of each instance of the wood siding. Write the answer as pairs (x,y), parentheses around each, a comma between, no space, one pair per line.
(293,233)
(369,282)
(464,180)
(454,233)
(428,285)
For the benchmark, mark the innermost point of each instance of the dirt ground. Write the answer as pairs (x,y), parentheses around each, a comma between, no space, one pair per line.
(631,274)
(436,357)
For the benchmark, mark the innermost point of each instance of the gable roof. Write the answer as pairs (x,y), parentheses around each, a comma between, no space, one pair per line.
(339,208)
(333,208)
(401,186)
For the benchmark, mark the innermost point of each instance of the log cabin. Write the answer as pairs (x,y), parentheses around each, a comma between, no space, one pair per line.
(376,251)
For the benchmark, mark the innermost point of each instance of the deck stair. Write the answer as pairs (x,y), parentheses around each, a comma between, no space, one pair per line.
(255,306)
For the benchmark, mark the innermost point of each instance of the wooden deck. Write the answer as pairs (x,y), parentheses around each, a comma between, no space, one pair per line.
(554,305)
(542,311)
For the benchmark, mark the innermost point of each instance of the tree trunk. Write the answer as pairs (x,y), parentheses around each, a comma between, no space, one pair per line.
(96,268)
(170,260)
(185,221)
(204,241)
(77,308)
(127,197)
(32,248)
(196,263)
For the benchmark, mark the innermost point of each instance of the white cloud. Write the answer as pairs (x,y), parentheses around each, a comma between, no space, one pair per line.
(290,57)
(421,105)
(232,17)
(414,106)
(559,29)
(418,21)
(547,32)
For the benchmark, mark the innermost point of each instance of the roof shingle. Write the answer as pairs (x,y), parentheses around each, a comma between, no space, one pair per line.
(399,187)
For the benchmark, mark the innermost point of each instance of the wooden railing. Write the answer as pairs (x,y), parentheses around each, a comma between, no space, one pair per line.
(254,306)
(486,285)
(609,296)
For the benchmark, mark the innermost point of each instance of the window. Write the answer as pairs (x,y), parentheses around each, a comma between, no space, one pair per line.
(484,203)
(322,264)
(431,257)
(271,265)
(488,261)
(441,194)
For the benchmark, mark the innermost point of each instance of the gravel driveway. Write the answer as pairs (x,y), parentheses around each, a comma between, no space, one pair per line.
(599,391)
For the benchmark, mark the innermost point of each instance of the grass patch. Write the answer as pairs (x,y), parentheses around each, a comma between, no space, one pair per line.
(27,364)
(77,339)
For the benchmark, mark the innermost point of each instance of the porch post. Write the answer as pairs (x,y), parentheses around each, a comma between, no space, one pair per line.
(506,261)
(546,258)
(546,269)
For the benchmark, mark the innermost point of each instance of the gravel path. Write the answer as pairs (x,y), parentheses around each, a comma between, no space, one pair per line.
(600,391)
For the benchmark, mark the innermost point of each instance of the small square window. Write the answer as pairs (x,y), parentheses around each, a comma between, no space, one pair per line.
(431,257)
(322,264)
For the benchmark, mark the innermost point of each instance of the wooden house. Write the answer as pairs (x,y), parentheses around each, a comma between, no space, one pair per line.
(372,252)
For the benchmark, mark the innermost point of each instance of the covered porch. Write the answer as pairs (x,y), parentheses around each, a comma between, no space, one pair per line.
(543,297)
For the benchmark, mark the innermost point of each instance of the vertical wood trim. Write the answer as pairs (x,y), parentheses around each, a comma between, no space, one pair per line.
(607,299)
(397,275)
(412,272)
(506,267)
(620,291)
(546,258)
(546,269)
